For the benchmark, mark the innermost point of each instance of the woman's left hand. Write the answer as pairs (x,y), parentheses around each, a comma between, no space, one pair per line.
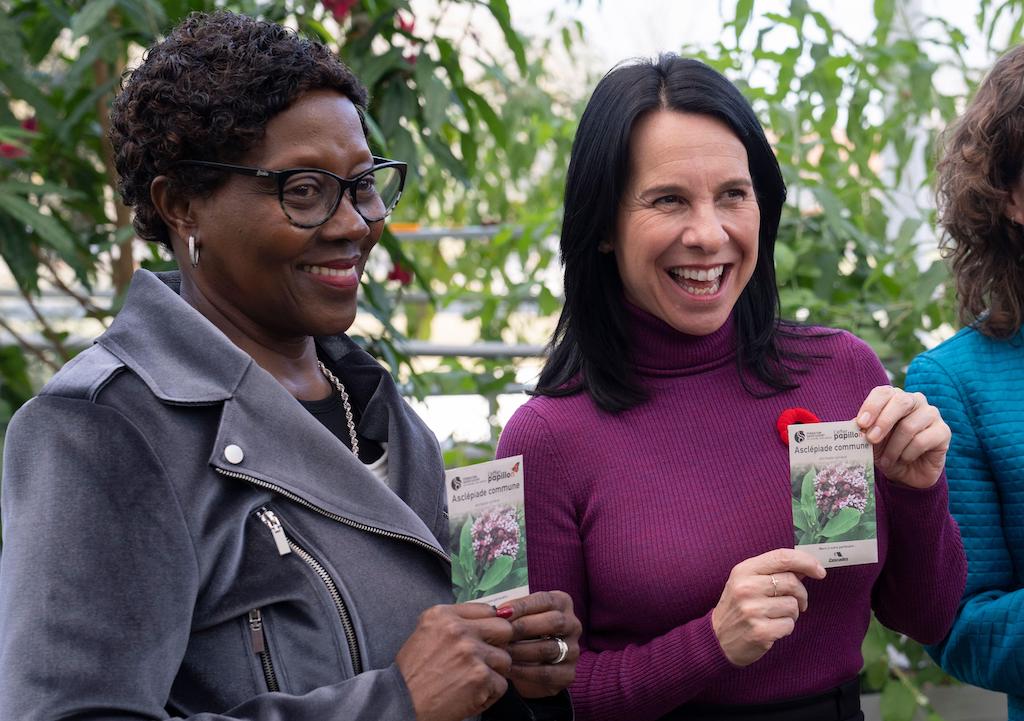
(909,437)
(539,666)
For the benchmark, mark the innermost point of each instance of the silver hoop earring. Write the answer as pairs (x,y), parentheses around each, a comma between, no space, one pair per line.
(193,251)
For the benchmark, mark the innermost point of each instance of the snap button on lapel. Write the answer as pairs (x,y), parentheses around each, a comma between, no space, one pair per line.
(233,454)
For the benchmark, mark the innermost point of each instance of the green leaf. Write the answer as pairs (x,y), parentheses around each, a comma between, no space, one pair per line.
(16,251)
(842,522)
(799,519)
(11,51)
(443,154)
(519,577)
(376,67)
(146,16)
(459,579)
(496,573)
(744,11)
(499,9)
(90,16)
(785,262)
(25,89)
(46,226)
(23,188)
(436,95)
(898,702)
(807,490)
(465,549)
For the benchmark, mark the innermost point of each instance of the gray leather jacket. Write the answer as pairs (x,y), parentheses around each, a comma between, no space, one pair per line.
(181,537)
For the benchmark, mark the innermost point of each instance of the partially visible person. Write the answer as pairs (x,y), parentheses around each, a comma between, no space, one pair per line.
(659,491)
(224,510)
(976,378)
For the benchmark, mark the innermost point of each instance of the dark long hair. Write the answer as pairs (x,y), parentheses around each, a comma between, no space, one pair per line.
(589,350)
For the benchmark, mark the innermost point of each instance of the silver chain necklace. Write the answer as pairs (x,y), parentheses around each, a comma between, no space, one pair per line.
(344,401)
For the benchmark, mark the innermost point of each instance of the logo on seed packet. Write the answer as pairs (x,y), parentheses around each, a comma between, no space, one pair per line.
(832,472)
(487,531)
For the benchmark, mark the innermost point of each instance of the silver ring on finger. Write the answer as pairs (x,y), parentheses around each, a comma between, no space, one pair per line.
(775,586)
(563,650)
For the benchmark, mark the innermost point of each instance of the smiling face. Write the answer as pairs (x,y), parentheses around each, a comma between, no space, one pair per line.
(686,235)
(258,274)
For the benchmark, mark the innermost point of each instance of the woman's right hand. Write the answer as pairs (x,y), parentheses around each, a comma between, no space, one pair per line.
(455,663)
(761,602)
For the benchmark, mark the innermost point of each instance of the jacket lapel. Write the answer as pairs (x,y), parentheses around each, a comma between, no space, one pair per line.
(282,445)
(184,359)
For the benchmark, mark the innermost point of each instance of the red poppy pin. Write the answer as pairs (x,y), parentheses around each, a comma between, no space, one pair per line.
(791,416)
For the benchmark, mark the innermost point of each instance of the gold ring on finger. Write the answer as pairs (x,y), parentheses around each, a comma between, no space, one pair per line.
(775,586)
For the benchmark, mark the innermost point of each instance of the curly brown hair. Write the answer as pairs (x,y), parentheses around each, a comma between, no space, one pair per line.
(981,163)
(207,92)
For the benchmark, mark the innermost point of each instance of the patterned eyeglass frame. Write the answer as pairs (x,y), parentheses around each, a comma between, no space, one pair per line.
(347,184)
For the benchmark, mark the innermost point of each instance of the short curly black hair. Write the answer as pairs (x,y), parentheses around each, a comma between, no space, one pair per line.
(207,92)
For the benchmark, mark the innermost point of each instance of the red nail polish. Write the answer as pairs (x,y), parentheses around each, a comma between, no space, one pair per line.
(505,612)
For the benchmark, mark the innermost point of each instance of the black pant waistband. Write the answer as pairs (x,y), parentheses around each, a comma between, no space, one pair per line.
(839,704)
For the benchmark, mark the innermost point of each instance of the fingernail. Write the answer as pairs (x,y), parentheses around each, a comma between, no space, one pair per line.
(875,434)
(505,612)
(864,418)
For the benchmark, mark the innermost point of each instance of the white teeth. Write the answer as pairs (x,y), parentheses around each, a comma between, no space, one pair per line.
(710,290)
(698,273)
(333,272)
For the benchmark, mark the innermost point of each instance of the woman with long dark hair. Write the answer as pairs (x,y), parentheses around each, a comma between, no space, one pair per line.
(659,490)
(976,378)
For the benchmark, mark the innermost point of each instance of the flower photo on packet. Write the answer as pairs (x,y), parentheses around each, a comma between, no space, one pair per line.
(487,531)
(833,480)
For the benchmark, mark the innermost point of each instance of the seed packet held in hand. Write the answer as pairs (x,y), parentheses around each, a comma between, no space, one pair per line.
(832,470)
(487,531)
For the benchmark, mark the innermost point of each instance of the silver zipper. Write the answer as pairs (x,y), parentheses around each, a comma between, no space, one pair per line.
(272,522)
(276,530)
(334,516)
(259,647)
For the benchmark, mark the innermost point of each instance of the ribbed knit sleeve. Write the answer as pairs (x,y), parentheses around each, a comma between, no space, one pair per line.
(641,681)
(918,590)
(986,644)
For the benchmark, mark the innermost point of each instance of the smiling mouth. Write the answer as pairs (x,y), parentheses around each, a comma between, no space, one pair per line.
(338,275)
(698,281)
(349,272)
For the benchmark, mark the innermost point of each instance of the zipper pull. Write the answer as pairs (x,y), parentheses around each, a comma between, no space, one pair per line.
(259,641)
(271,521)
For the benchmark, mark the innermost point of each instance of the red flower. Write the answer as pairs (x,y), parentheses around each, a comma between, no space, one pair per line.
(12,151)
(7,150)
(401,274)
(339,8)
(406,26)
(792,416)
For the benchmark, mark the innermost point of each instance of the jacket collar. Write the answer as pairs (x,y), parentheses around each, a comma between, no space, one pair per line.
(173,348)
(185,360)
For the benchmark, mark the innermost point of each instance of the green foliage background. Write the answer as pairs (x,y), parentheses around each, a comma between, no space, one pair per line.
(487,134)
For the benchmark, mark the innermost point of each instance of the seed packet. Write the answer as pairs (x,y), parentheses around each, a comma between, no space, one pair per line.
(833,475)
(487,531)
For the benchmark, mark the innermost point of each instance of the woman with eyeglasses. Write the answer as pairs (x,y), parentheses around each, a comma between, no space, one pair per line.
(224,510)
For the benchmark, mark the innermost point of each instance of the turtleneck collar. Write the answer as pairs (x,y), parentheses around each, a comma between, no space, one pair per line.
(659,349)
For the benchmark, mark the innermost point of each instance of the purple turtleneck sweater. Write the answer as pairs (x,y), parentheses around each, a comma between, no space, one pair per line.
(641,515)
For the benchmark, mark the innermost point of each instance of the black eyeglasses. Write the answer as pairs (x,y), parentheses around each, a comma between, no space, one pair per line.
(310,196)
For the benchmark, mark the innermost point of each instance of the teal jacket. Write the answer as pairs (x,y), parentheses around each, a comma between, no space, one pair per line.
(978,385)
